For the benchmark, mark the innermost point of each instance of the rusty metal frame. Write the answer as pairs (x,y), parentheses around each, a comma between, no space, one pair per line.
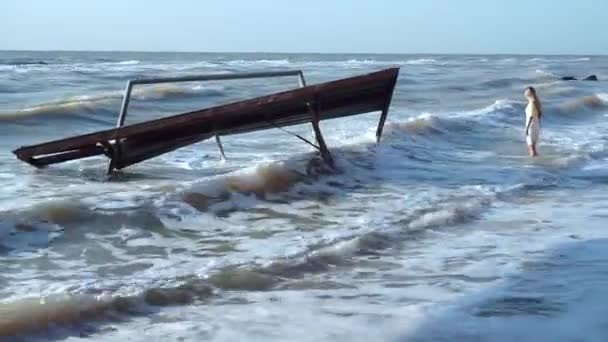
(134,143)
(126,99)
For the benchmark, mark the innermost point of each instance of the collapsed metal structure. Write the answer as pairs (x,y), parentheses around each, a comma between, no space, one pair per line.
(126,145)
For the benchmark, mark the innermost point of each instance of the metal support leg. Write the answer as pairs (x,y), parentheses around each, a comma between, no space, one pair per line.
(302,82)
(121,121)
(385,111)
(319,136)
(116,151)
(113,152)
(381,125)
(301,79)
(219,144)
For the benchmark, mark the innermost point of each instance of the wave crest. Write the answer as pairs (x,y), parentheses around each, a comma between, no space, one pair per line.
(421,61)
(591,102)
(109,101)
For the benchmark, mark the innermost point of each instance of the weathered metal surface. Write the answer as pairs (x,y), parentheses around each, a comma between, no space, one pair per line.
(319,136)
(114,159)
(89,151)
(385,110)
(141,141)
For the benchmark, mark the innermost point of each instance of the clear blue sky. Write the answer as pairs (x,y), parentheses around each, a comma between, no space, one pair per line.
(375,26)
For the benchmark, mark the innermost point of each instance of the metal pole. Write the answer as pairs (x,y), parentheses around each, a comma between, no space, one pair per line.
(301,79)
(219,144)
(125,103)
(216,77)
(302,82)
(121,121)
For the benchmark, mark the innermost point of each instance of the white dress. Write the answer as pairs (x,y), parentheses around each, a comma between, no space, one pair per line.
(534,129)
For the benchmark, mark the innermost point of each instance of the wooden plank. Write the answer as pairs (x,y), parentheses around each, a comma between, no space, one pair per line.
(229,117)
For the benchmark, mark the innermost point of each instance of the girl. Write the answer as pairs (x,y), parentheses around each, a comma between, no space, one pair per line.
(533,116)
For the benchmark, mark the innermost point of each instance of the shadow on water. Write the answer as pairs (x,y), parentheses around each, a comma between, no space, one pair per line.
(559,296)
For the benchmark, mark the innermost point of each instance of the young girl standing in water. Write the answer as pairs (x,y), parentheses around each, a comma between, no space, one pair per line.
(533,116)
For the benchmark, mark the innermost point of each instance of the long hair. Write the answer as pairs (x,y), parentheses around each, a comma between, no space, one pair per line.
(536,101)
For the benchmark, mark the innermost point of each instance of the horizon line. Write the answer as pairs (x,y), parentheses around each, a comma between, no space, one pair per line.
(307,53)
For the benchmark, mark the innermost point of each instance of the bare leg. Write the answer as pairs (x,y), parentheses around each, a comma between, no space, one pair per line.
(533,150)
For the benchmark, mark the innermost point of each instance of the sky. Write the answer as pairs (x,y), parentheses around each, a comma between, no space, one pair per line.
(324,26)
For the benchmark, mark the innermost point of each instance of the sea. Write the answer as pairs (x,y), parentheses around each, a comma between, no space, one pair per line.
(446,230)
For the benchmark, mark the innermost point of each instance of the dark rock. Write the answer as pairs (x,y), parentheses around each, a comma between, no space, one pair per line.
(590,78)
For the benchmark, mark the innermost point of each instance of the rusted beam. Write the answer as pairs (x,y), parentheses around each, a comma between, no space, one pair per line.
(359,84)
(350,96)
(66,156)
(134,151)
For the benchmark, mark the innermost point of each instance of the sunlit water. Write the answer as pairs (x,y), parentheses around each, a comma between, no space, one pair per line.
(444,231)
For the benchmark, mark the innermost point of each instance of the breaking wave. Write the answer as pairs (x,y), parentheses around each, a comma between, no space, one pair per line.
(26,61)
(450,214)
(110,101)
(72,310)
(266,62)
(504,82)
(547,74)
(591,102)
(224,193)
(421,61)
(19,62)
(129,62)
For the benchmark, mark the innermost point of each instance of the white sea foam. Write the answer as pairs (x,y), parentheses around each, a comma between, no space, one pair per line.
(265,62)
(545,73)
(83,103)
(421,61)
(129,62)
(439,218)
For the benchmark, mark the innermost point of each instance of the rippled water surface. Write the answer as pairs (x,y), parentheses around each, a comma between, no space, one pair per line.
(445,231)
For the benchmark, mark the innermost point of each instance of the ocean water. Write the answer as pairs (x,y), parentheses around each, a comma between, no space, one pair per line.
(445,231)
